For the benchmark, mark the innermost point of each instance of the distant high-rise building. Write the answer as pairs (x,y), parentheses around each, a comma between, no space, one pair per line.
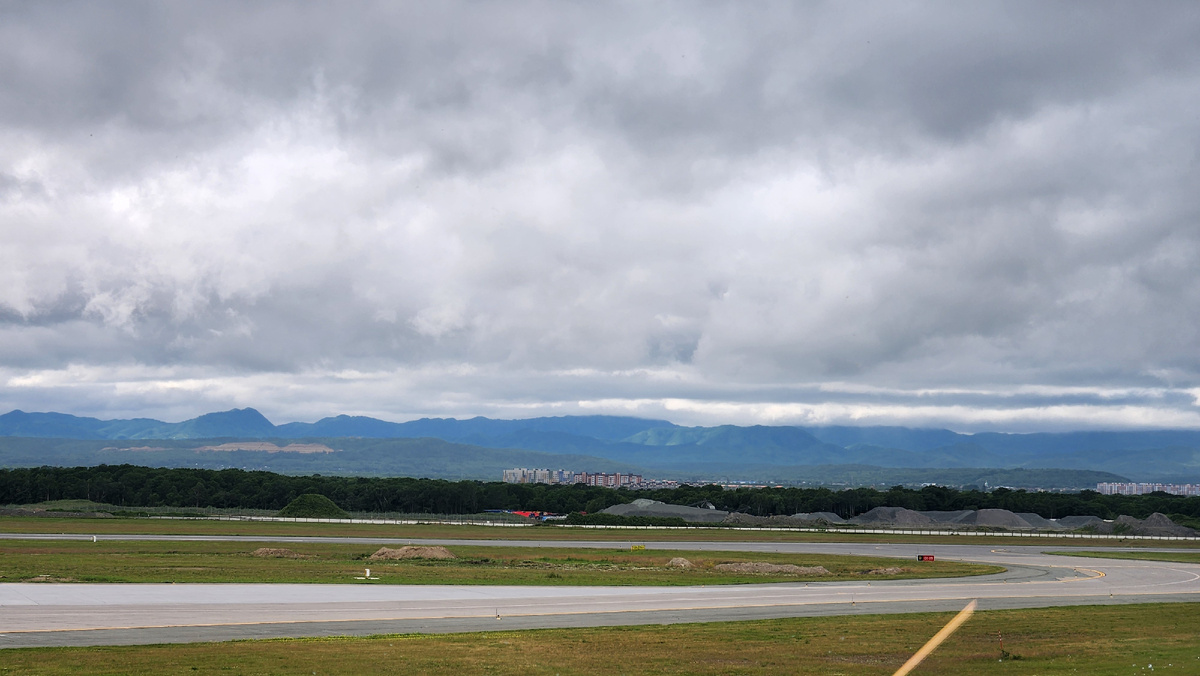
(1130,488)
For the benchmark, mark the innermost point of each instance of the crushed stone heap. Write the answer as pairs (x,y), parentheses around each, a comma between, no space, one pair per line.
(827,517)
(892,516)
(644,507)
(993,518)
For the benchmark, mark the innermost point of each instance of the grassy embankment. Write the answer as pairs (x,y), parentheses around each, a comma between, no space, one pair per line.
(118,526)
(1177,557)
(1094,640)
(138,561)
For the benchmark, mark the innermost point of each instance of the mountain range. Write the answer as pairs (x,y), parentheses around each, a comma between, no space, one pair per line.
(662,448)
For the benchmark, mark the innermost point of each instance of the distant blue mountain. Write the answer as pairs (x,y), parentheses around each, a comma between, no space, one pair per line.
(663,446)
(609,428)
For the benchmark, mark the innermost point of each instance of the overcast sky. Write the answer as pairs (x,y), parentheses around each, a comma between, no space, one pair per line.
(971,215)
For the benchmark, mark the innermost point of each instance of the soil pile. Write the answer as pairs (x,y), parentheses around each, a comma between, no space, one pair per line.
(679,562)
(412,552)
(276,553)
(764,567)
(892,516)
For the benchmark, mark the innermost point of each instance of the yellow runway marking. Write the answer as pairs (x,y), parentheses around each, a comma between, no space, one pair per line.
(951,627)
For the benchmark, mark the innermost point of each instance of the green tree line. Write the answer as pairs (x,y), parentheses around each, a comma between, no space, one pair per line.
(136,486)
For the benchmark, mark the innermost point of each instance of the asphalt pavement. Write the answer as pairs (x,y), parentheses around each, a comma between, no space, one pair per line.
(41,614)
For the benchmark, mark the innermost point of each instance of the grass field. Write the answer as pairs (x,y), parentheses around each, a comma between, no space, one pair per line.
(1095,640)
(1177,557)
(138,561)
(17,524)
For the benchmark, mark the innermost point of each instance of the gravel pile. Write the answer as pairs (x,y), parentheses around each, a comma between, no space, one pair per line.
(827,517)
(892,516)
(1161,524)
(993,518)
(644,507)
(1074,522)
(947,517)
(1040,522)
(1155,524)
(679,562)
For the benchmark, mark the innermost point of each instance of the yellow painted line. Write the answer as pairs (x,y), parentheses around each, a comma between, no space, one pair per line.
(951,627)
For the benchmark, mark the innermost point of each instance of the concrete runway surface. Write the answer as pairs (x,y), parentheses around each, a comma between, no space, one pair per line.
(114,614)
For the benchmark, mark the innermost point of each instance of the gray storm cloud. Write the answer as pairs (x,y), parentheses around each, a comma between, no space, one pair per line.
(982,216)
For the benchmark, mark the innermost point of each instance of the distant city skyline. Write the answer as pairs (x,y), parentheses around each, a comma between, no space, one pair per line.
(979,217)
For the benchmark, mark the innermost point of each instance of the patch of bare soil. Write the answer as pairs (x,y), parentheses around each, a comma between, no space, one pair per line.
(412,552)
(269,447)
(886,571)
(274,553)
(49,578)
(679,562)
(764,567)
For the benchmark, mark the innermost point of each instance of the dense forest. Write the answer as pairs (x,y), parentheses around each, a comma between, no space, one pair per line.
(135,486)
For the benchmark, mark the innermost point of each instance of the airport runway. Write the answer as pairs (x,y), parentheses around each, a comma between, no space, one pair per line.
(109,614)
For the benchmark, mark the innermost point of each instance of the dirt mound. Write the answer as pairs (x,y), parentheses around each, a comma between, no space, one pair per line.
(892,516)
(886,571)
(679,562)
(412,552)
(764,567)
(275,553)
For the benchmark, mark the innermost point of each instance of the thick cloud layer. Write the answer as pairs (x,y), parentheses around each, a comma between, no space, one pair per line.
(983,216)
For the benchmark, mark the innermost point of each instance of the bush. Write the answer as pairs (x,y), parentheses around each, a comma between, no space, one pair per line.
(313,506)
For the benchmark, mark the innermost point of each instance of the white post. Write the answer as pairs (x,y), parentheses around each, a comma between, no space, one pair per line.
(368,573)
